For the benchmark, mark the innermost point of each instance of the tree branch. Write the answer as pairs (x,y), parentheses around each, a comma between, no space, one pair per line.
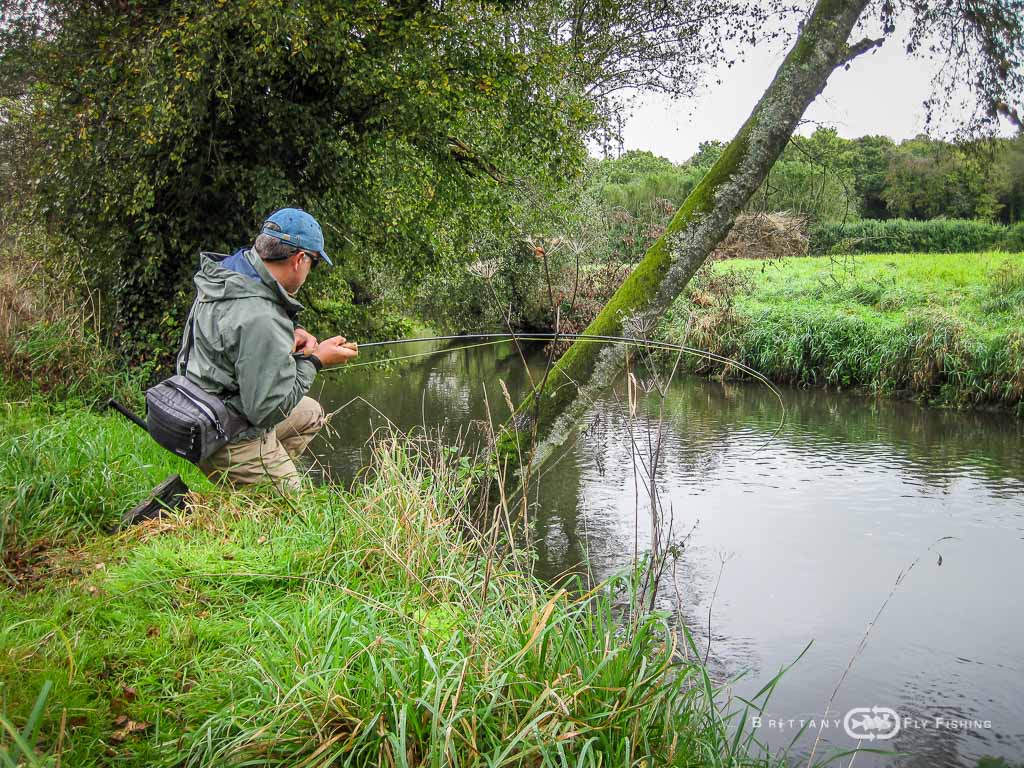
(472,160)
(860,48)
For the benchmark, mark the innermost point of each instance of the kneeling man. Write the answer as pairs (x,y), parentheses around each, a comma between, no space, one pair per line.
(243,344)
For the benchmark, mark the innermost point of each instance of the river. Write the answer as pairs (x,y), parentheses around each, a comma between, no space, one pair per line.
(786,539)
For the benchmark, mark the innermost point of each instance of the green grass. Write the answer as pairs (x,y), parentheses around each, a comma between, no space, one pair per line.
(72,478)
(944,328)
(340,628)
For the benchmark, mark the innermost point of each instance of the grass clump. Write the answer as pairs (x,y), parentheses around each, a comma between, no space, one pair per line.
(941,328)
(67,474)
(1005,289)
(337,628)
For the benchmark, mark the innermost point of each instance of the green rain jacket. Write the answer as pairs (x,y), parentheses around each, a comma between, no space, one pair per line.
(244,334)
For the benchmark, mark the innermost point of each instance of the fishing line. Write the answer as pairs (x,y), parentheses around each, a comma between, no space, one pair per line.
(348,366)
(497,338)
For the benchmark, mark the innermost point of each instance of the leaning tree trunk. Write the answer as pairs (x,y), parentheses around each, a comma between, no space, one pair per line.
(702,221)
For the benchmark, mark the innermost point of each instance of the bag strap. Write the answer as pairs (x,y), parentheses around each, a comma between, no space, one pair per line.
(188,340)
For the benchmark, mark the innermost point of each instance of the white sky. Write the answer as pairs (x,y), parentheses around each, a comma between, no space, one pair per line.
(881,93)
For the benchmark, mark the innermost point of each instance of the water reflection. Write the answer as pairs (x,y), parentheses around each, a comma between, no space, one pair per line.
(790,540)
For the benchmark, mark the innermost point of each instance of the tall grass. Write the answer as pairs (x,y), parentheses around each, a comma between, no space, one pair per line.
(361,628)
(50,340)
(67,474)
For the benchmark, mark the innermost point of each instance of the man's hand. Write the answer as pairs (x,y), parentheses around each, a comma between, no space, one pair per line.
(305,342)
(336,351)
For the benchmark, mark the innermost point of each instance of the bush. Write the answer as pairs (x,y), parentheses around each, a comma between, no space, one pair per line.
(1013,240)
(908,236)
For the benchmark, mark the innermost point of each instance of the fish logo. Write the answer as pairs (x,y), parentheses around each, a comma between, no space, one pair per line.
(871,723)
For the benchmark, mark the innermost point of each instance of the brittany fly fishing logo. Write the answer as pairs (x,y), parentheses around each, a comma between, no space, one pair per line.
(871,723)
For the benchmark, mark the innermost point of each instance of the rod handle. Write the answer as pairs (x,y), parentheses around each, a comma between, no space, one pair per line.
(128,413)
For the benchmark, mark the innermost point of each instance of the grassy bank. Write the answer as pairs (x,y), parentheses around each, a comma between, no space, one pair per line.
(947,329)
(340,628)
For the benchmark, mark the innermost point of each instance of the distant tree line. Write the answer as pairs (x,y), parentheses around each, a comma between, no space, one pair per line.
(827,178)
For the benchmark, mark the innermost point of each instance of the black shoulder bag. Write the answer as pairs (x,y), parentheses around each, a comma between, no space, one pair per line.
(186,419)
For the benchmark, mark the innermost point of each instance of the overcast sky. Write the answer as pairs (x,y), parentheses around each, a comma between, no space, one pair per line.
(881,93)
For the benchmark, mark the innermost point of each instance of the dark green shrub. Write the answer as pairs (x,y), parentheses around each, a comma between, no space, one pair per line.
(907,236)
(1013,240)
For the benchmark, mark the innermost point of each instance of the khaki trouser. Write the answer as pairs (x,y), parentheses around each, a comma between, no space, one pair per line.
(271,457)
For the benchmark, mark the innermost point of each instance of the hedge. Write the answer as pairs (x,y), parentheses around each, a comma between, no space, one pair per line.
(909,236)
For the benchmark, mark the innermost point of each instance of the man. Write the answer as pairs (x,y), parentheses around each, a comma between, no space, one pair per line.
(248,349)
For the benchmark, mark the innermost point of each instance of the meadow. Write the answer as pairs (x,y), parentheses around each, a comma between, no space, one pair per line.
(944,329)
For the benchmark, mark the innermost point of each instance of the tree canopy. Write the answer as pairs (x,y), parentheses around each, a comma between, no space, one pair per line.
(151,129)
(826,177)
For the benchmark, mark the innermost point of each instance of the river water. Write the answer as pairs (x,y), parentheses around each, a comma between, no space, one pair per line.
(787,539)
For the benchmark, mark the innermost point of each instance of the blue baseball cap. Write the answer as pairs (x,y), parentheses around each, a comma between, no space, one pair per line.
(296,227)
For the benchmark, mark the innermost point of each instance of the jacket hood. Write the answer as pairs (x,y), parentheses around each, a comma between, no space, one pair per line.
(241,276)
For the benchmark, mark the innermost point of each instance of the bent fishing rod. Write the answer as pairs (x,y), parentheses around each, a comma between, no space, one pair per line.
(555,336)
(500,337)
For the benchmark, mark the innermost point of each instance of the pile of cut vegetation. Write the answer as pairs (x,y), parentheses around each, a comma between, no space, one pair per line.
(767,236)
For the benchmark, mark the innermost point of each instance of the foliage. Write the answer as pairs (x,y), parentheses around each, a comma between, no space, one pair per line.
(801,188)
(181,125)
(985,40)
(907,236)
(1013,240)
(554,268)
(49,340)
(343,628)
(868,164)
(929,178)
(151,129)
(827,178)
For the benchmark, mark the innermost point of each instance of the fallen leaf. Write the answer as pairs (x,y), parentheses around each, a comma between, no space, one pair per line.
(153,631)
(130,727)
(129,693)
(100,566)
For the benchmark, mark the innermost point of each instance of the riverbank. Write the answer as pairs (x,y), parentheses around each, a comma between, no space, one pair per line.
(356,628)
(943,329)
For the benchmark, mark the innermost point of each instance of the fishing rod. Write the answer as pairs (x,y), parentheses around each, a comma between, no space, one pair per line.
(552,336)
(499,337)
